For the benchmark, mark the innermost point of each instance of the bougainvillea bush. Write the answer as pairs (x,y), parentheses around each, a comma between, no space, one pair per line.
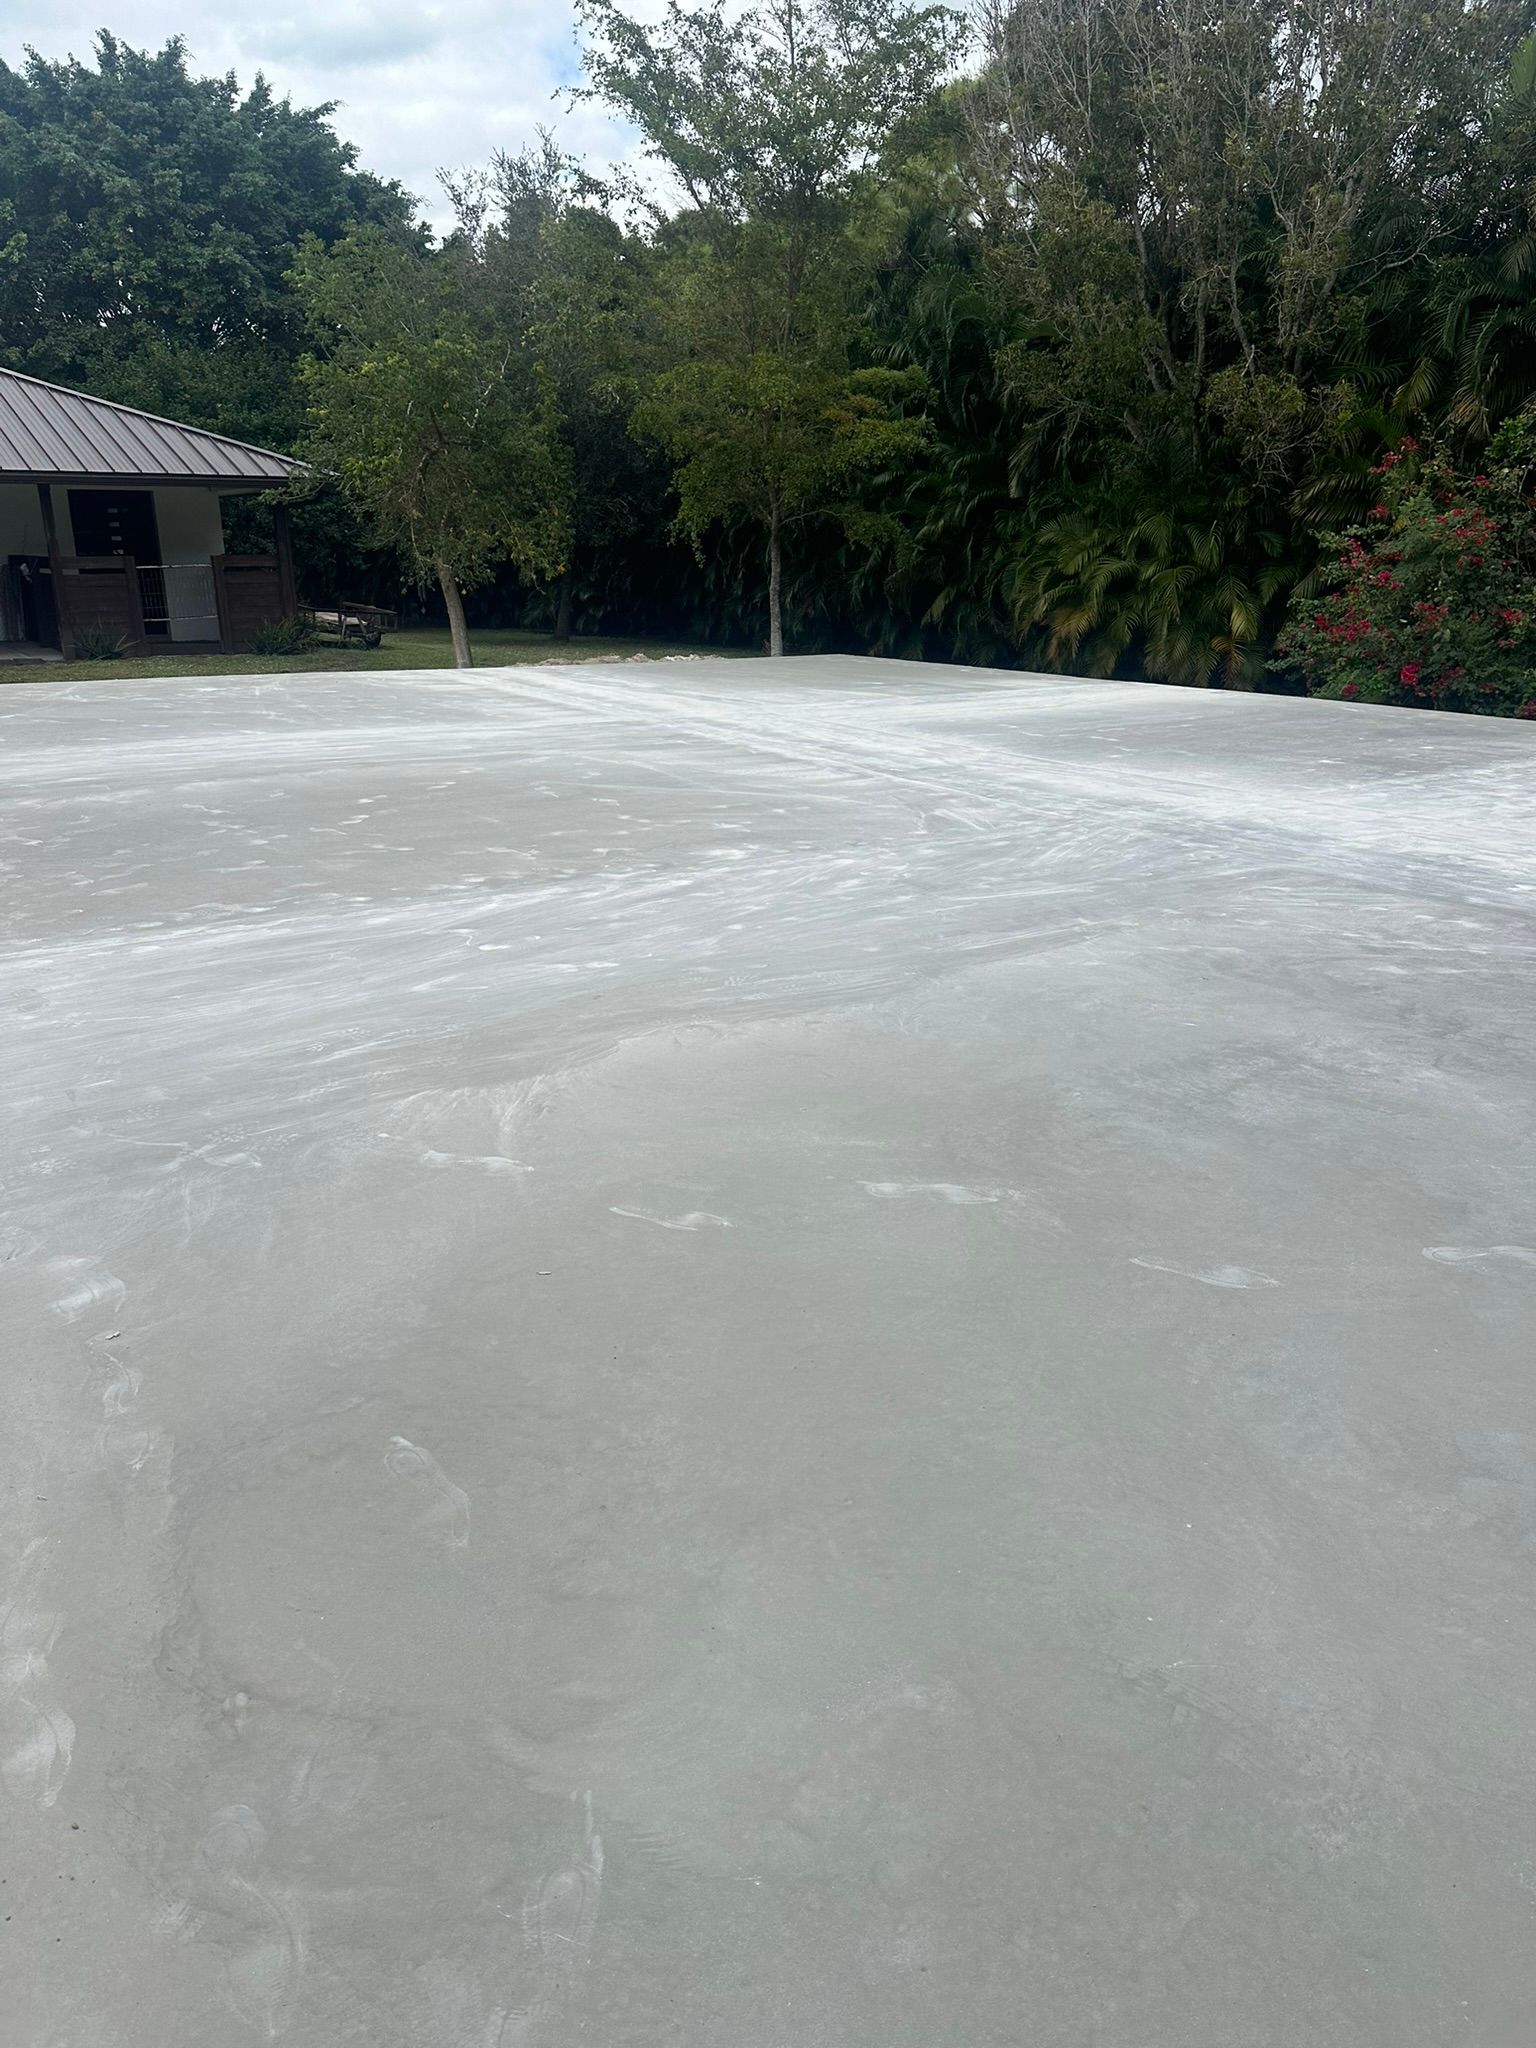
(1432,602)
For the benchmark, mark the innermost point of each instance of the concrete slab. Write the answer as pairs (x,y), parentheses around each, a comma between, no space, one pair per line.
(829,1355)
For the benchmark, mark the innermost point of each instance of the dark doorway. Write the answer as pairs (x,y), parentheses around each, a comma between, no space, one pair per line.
(28,605)
(115,523)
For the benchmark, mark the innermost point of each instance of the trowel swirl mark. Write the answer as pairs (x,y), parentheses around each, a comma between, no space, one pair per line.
(695,1219)
(36,1735)
(1210,1276)
(1474,1254)
(485,1162)
(446,1514)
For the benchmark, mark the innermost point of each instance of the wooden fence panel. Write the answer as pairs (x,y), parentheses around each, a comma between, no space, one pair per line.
(250,593)
(100,593)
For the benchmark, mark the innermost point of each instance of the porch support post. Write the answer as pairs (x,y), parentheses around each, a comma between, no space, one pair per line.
(282,534)
(135,606)
(221,606)
(55,568)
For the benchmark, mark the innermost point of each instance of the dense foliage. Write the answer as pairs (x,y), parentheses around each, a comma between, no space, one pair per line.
(1089,337)
(148,221)
(1433,600)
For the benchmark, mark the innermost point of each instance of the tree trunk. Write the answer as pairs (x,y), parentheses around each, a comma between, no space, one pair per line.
(448,583)
(775,587)
(563,602)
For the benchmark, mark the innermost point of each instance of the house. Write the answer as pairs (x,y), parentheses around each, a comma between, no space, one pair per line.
(110,525)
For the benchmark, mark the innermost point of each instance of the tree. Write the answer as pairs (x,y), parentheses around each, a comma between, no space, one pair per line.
(771,124)
(1480,352)
(147,212)
(781,443)
(567,278)
(428,415)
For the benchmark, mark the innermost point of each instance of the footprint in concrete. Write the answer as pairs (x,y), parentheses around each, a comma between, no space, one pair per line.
(40,1744)
(445,1512)
(560,1911)
(459,2014)
(233,1842)
(265,1962)
(89,1286)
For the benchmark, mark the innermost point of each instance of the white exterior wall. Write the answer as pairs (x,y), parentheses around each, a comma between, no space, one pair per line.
(191,532)
(21,520)
(190,527)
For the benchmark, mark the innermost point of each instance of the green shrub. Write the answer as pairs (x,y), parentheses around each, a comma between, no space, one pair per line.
(97,643)
(283,636)
(1433,601)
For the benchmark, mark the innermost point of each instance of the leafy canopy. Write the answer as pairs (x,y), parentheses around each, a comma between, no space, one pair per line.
(145,211)
(778,441)
(771,125)
(426,412)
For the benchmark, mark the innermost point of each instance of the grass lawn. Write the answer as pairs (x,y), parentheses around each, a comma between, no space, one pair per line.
(417,647)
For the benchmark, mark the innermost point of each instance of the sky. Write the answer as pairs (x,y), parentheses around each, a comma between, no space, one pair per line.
(421,86)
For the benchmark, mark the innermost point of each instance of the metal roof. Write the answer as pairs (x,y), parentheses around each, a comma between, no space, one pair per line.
(55,435)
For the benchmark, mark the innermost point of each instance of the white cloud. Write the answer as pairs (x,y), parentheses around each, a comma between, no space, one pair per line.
(421,86)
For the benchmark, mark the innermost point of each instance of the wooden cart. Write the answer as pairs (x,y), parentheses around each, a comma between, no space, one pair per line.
(353,625)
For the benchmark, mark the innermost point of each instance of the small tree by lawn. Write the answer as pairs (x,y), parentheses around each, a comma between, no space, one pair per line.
(424,409)
(780,442)
(771,122)
(566,276)
(1431,602)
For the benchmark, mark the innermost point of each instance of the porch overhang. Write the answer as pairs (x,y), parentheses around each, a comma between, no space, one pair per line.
(102,480)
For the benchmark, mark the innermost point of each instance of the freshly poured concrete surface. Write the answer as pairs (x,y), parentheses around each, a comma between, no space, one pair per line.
(819,1355)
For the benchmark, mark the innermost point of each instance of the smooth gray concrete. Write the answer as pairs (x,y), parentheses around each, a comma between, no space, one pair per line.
(828,1355)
